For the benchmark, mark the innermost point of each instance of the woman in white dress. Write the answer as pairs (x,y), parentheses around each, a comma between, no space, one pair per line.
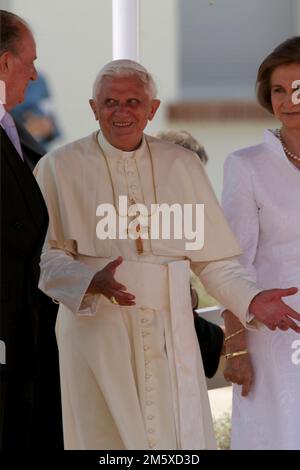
(261,200)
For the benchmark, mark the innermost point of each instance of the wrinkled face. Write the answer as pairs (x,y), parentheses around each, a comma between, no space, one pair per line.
(282,95)
(17,69)
(123,109)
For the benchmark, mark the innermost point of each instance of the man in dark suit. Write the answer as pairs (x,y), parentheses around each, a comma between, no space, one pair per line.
(47,426)
(23,227)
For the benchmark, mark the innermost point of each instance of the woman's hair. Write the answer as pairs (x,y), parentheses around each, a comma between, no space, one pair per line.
(286,53)
(186,140)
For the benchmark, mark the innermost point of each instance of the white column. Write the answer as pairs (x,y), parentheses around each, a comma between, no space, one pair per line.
(126,29)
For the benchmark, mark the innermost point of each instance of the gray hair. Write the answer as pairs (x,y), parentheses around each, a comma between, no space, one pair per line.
(126,68)
(186,140)
(12,28)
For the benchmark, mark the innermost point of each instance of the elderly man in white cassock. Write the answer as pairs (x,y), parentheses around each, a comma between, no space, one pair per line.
(131,370)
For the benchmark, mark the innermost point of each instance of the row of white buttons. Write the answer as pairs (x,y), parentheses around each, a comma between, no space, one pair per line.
(131,175)
(146,319)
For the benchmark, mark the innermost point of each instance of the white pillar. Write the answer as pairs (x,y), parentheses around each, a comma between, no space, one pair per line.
(126,29)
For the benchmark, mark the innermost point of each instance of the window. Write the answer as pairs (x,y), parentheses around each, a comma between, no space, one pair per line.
(222,45)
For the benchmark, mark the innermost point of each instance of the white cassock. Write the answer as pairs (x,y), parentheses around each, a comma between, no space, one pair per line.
(132,377)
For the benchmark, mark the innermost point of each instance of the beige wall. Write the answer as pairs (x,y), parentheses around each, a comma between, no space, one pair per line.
(298,16)
(158,50)
(222,138)
(75,39)
(5,4)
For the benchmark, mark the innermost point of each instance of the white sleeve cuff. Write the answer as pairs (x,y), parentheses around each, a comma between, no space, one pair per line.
(89,305)
(67,280)
(230,284)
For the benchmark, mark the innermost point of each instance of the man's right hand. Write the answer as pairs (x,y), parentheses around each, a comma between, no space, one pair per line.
(104,283)
(269,308)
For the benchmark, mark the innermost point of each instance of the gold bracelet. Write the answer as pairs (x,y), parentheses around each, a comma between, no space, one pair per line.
(236,354)
(234,334)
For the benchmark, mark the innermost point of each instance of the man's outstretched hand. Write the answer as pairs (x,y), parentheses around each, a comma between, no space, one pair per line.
(269,308)
(104,283)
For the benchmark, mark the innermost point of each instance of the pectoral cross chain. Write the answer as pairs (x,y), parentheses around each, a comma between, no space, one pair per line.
(138,241)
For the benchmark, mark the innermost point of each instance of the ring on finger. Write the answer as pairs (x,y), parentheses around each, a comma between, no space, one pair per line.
(114,300)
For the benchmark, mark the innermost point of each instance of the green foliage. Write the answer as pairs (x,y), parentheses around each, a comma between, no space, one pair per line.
(222,428)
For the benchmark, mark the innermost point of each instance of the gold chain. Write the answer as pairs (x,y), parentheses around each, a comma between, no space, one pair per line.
(111,179)
(234,334)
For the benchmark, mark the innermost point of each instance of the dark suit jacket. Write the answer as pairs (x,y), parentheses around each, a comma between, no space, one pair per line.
(28,331)
(24,221)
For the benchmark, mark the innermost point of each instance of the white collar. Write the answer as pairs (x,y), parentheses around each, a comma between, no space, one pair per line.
(2,111)
(272,141)
(113,152)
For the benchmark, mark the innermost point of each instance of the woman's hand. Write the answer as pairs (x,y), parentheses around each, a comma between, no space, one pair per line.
(239,370)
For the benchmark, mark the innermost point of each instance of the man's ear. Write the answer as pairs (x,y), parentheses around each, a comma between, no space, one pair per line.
(5,63)
(154,107)
(94,108)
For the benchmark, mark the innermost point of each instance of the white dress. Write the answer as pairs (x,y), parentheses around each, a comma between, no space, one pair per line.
(261,201)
